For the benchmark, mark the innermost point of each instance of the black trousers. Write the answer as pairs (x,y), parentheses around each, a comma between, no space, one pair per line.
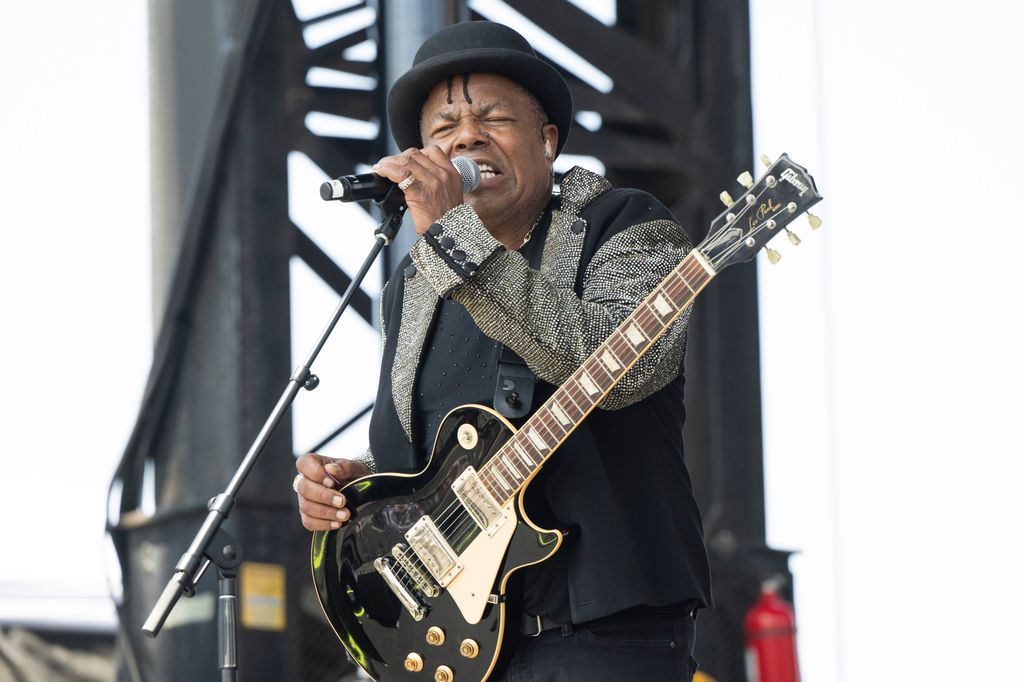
(628,646)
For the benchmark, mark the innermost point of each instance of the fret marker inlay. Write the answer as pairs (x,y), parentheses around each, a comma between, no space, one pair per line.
(536,439)
(562,417)
(588,384)
(610,362)
(501,479)
(522,455)
(662,305)
(509,465)
(635,336)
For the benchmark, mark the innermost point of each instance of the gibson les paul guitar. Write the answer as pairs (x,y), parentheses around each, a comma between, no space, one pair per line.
(414,584)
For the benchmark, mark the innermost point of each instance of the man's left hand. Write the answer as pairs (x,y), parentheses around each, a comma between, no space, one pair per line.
(436,187)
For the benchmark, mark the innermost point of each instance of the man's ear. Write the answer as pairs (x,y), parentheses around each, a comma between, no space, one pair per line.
(549,131)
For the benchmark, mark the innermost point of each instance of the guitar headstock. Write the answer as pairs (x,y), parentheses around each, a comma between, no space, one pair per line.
(761,213)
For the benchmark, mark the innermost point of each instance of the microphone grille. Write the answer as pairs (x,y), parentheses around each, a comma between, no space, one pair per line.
(469,171)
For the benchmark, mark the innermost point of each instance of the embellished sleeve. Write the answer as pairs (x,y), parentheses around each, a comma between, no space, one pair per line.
(540,316)
(454,249)
(367,460)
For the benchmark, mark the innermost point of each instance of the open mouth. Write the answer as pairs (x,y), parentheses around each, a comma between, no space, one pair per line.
(487,172)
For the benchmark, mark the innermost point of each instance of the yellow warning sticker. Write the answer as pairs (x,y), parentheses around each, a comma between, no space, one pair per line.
(262,591)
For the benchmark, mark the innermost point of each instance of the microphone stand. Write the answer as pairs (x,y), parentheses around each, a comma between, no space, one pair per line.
(212,544)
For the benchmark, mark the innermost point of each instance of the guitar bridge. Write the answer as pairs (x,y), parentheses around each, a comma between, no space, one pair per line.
(419,576)
(408,599)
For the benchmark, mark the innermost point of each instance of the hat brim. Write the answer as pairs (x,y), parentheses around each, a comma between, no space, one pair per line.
(405,100)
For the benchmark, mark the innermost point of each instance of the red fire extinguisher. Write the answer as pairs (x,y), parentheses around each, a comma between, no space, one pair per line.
(770,627)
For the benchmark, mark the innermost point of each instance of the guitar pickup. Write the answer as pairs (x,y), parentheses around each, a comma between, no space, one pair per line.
(434,551)
(479,502)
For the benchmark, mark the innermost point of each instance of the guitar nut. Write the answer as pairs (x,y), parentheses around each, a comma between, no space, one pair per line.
(435,636)
(443,674)
(469,648)
(414,662)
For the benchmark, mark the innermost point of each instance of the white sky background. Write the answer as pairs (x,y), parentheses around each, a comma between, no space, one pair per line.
(890,338)
(74,286)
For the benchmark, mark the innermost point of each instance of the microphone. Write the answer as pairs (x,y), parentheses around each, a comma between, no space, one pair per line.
(372,186)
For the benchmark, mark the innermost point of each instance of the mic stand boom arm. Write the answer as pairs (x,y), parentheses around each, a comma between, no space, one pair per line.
(227,556)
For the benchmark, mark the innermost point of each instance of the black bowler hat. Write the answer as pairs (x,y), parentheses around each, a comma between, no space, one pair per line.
(475,47)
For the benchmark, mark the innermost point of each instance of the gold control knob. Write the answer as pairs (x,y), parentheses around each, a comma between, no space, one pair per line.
(435,636)
(414,662)
(469,648)
(443,674)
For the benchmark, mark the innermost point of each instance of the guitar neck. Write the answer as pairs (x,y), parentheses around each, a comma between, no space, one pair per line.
(559,416)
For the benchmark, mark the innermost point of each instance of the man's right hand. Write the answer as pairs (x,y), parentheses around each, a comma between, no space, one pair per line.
(321,506)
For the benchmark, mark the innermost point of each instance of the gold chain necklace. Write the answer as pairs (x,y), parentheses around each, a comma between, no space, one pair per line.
(532,228)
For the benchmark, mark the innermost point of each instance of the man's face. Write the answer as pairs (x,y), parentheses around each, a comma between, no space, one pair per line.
(499,127)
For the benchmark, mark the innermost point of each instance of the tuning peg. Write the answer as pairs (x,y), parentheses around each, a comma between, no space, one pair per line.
(814,220)
(726,199)
(773,255)
(766,161)
(793,239)
(745,179)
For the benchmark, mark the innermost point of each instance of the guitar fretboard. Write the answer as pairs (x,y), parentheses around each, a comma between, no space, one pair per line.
(559,416)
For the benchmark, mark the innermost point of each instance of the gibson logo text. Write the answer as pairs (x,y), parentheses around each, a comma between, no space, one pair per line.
(790,176)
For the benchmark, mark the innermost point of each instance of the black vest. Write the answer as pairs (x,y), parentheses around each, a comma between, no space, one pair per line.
(620,478)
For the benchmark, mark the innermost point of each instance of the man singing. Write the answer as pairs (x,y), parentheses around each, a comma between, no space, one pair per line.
(509,270)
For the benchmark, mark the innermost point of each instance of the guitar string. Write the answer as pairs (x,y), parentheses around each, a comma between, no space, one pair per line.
(461,527)
(450,518)
(462,521)
(423,568)
(455,520)
(466,525)
(452,522)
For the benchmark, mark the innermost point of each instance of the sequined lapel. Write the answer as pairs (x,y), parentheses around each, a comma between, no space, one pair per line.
(419,305)
(568,231)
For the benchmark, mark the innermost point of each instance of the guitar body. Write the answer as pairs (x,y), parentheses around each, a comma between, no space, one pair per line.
(372,622)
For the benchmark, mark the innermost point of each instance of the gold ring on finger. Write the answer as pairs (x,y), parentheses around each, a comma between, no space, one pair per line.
(404,184)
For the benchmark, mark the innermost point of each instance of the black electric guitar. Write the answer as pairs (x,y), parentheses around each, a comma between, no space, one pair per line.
(414,584)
